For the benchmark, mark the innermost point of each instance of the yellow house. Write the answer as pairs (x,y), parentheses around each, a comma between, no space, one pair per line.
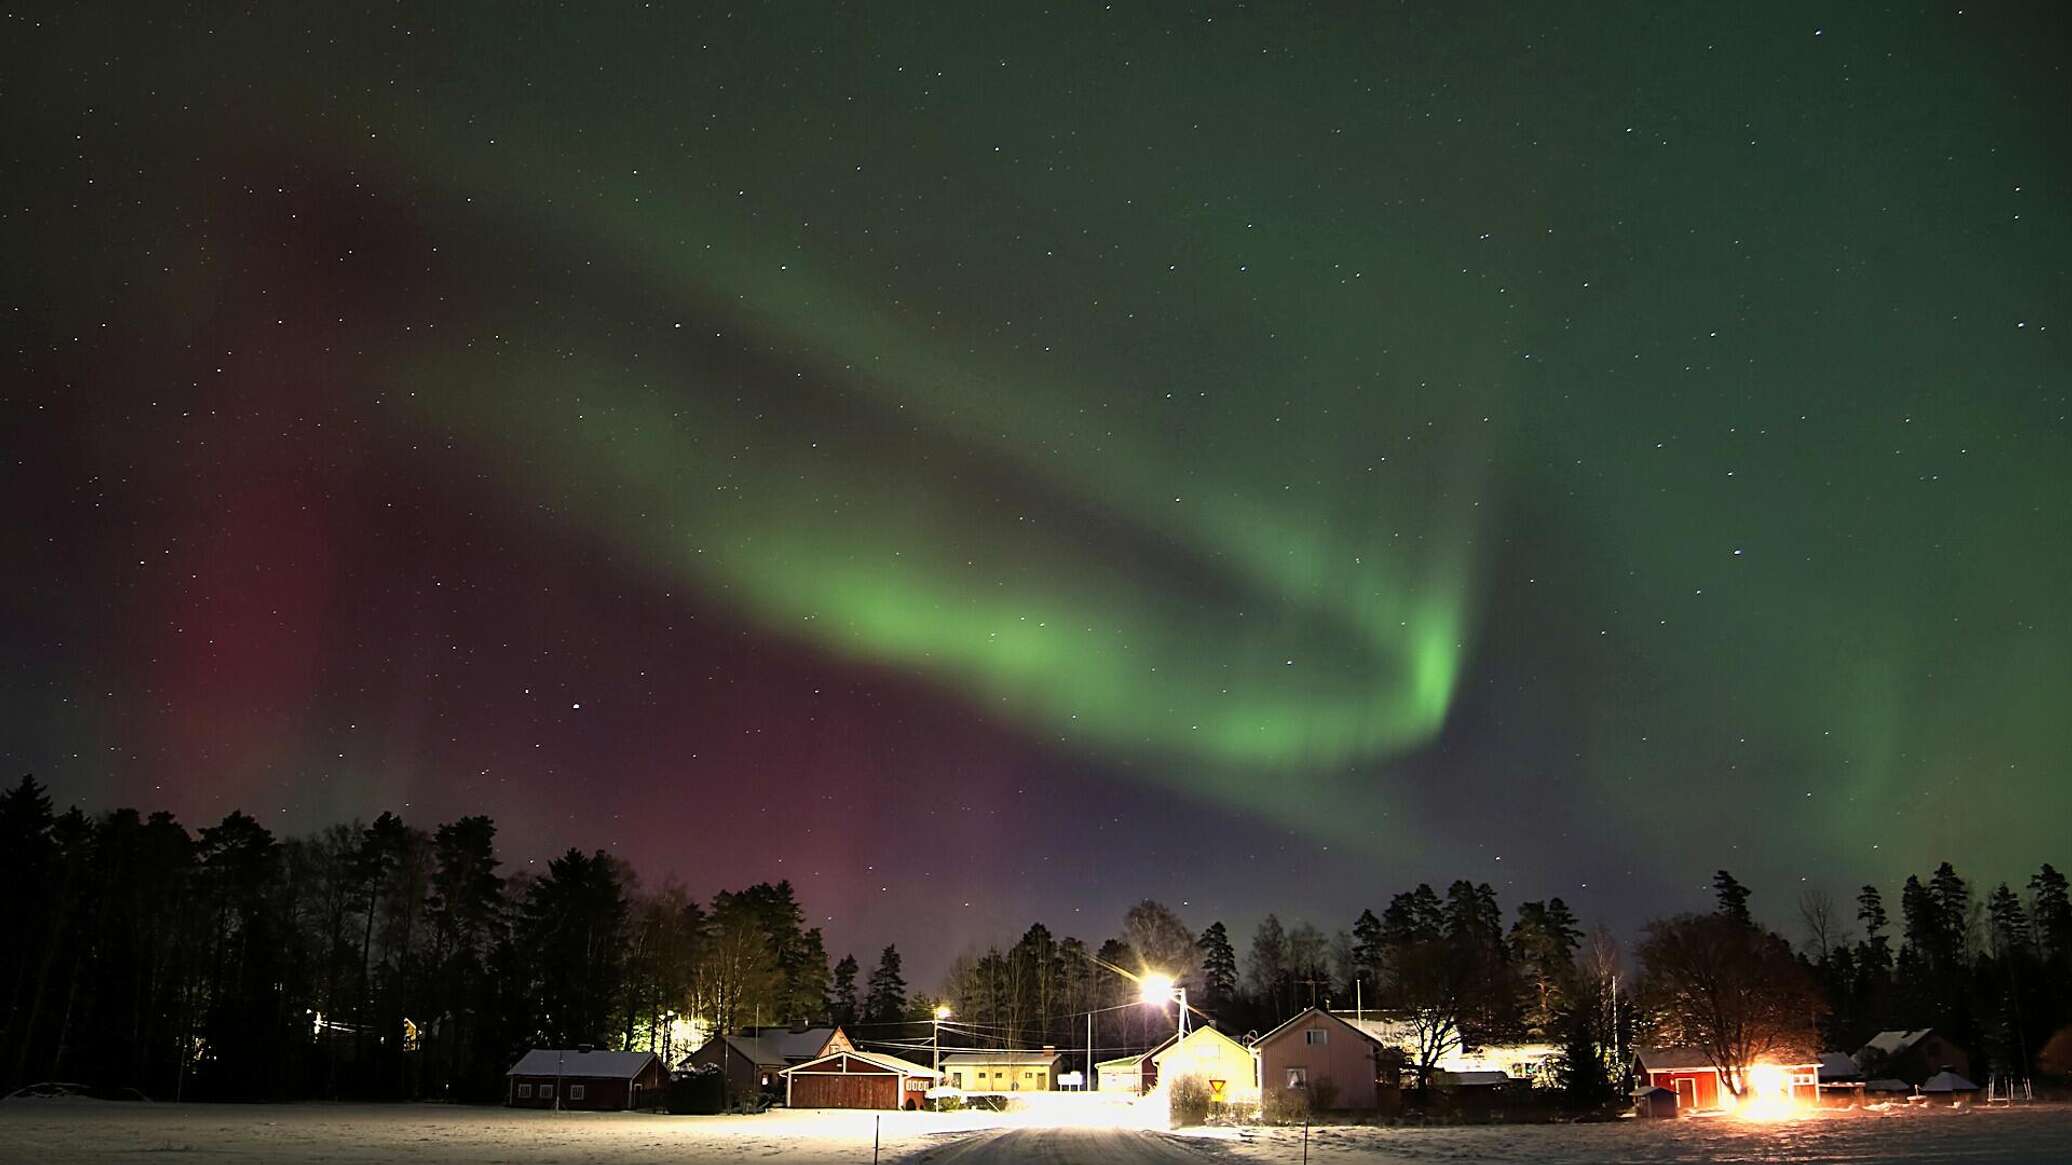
(1222,1063)
(1002,1071)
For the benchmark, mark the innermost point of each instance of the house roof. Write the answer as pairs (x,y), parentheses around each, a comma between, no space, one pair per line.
(574,1062)
(1838,1066)
(1482,1079)
(795,1044)
(1947,1081)
(1888,1084)
(1674,1060)
(1153,1050)
(879,1059)
(962,1059)
(1299,1018)
(758,1052)
(1892,1043)
(1198,1034)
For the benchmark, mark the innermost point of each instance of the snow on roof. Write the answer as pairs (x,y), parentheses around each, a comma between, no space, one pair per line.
(880,1059)
(788,1044)
(1837,1066)
(1892,1043)
(575,1062)
(1888,1084)
(962,1059)
(1948,1081)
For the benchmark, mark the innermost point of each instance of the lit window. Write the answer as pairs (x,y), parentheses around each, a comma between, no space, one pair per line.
(575,1092)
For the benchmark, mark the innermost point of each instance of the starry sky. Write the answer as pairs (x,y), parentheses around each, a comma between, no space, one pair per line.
(998,462)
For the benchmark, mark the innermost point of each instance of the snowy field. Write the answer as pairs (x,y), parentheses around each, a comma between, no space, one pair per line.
(62,1132)
(2036,1135)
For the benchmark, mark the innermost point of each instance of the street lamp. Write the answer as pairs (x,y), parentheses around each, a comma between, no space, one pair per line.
(942,1012)
(1159,990)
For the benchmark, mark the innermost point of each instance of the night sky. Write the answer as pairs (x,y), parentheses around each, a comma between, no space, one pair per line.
(992,463)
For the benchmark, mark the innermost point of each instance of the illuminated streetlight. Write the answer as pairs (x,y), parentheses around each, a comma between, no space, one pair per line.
(942,1012)
(1158,990)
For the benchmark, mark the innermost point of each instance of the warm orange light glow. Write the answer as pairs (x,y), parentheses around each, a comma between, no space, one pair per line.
(1768,1096)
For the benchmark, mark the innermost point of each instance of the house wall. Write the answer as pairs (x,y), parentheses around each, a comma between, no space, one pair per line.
(1004,1077)
(1345,1059)
(1212,1056)
(599,1093)
(1928,1057)
(1133,1079)
(1703,1081)
(744,1077)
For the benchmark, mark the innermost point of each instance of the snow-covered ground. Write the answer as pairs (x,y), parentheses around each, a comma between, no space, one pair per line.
(2034,1135)
(68,1132)
(64,1132)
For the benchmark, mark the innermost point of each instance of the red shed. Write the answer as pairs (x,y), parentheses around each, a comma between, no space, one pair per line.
(853,1079)
(582,1078)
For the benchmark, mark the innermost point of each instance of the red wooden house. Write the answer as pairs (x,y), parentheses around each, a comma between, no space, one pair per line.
(1690,1074)
(583,1078)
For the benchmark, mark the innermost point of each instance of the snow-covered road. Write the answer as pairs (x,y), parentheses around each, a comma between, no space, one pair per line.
(1069,1147)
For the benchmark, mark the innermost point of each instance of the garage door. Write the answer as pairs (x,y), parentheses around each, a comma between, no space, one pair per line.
(848,1090)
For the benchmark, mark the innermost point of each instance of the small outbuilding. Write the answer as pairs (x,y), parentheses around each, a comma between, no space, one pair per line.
(587,1079)
(1130,1075)
(1841,1080)
(1654,1104)
(1948,1087)
(856,1079)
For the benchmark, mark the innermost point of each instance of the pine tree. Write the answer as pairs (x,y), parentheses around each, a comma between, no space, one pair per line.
(1733,898)
(1367,953)
(1870,911)
(842,997)
(2051,910)
(1218,967)
(886,1001)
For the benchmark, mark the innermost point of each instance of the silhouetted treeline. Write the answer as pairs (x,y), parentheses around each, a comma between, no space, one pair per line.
(375,960)
(385,960)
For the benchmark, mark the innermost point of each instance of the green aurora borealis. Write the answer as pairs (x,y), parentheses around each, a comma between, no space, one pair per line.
(1629,445)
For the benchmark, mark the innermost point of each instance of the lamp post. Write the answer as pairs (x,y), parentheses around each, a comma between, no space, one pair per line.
(1158,990)
(942,1012)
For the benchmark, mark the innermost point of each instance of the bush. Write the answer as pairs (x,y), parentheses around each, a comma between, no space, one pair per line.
(1284,1106)
(1188,1101)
